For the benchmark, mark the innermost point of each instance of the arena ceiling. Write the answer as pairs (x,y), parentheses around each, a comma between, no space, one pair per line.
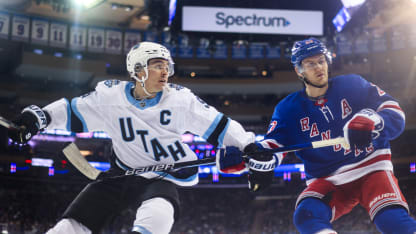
(138,14)
(117,13)
(145,14)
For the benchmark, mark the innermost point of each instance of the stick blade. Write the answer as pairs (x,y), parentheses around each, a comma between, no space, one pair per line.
(73,154)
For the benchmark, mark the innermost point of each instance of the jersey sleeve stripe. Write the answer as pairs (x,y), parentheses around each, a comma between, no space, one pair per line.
(270,144)
(212,126)
(68,113)
(215,129)
(78,114)
(222,135)
(393,106)
(273,144)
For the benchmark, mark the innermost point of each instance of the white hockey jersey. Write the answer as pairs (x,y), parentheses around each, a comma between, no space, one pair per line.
(149,132)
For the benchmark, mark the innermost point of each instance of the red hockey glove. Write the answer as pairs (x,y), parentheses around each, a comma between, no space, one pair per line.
(362,128)
(230,160)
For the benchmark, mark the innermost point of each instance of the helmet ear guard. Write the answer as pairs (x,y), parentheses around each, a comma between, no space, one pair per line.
(139,67)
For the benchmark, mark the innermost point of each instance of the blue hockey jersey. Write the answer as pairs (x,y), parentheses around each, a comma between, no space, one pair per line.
(299,119)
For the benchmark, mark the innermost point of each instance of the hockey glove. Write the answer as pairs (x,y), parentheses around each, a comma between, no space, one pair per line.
(230,160)
(31,120)
(261,168)
(362,128)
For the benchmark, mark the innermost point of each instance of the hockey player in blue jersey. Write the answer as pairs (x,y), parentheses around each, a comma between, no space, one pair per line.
(338,178)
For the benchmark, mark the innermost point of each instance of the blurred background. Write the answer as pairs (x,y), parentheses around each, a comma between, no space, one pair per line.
(234,54)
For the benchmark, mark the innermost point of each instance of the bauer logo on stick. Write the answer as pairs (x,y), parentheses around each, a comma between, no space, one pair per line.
(162,167)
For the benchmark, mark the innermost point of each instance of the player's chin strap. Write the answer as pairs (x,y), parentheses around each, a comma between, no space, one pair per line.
(141,81)
(304,79)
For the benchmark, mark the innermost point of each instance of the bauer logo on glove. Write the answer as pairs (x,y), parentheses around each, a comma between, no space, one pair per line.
(262,165)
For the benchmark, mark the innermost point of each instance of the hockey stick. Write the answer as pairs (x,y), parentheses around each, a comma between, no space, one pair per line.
(73,154)
(8,124)
(75,157)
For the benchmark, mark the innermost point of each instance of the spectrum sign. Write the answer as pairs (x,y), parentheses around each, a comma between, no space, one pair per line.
(243,20)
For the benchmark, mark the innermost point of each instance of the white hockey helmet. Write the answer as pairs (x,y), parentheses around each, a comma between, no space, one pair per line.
(140,54)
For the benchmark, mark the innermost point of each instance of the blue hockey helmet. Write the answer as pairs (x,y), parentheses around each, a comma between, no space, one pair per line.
(308,48)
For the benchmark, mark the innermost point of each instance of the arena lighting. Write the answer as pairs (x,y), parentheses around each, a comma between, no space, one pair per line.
(86,152)
(58,54)
(38,51)
(87,3)
(101,135)
(284,170)
(102,166)
(346,13)
(287,176)
(42,162)
(302,175)
(56,138)
(51,171)
(57,132)
(84,134)
(352,3)
(78,56)
(172,11)
(12,167)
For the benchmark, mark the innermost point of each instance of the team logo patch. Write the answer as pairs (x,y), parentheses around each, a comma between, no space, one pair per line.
(272,126)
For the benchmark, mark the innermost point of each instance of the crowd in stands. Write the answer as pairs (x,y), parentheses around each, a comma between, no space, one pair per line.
(32,205)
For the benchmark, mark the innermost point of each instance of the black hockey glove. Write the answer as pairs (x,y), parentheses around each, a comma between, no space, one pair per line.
(261,168)
(30,121)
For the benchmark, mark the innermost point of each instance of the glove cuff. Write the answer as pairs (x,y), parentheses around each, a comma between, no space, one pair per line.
(36,111)
(374,116)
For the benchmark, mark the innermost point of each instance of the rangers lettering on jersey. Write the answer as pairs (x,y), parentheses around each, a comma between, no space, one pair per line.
(304,124)
(314,130)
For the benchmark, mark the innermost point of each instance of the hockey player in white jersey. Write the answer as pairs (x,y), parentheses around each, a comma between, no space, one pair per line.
(145,120)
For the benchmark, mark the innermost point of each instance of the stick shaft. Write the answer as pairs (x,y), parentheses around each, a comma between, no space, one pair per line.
(309,145)
(8,124)
(211,160)
(74,156)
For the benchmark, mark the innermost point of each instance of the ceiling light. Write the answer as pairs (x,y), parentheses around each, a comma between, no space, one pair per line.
(87,3)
